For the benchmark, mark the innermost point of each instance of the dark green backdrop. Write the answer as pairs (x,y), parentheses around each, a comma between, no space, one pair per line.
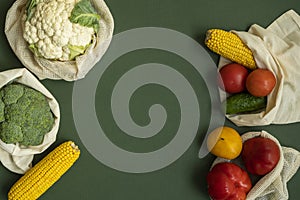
(185,178)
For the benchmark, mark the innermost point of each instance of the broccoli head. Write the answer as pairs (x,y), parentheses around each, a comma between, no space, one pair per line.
(27,115)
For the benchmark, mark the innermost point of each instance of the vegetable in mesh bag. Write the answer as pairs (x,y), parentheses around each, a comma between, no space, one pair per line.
(60,29)
(63,45)
(25,115)
(15,156)
(275,48)
(272,185)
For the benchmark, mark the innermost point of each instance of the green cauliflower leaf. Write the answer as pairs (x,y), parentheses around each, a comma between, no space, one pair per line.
(75,51)
(85,14)
(30,5)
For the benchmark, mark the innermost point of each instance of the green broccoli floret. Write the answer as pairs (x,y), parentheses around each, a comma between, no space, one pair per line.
(15,113)
(31,136)
(12,93)
(28,114)
(10,133)
(33,94)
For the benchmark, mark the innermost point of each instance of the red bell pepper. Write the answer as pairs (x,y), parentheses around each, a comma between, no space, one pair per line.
(260,155)
(227,181)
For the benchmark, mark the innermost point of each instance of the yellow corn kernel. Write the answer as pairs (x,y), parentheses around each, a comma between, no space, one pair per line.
(229,45)
(45,173)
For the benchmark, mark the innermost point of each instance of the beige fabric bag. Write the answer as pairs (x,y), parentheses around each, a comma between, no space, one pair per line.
(272,186)
(13,156)
(71,70)
(276,48)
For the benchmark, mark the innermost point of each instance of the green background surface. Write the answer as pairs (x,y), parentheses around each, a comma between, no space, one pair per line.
(185,178)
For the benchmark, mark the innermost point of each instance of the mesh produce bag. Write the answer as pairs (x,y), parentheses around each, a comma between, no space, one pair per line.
(275,48)
(15,157)
(69,70)
(272,186)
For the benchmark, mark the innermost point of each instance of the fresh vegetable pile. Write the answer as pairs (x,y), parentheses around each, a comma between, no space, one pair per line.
(60,29)
(257,156)
(25,115)
(56,32)
(247,91)
(247,86)
(29,116)
(241,164)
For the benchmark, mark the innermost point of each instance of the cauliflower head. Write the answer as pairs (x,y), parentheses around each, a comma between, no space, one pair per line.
(60,29)
(26,115)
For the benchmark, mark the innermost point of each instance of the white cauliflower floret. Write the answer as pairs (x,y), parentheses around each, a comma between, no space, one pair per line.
(50,31)
(32,37)
(81,35)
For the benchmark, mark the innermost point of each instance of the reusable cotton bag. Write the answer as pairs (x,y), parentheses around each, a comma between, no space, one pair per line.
(276,48)
(272,186)
(43,68)
(17,158)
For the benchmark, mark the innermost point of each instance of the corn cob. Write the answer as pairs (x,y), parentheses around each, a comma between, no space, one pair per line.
(229,45)
(45,173)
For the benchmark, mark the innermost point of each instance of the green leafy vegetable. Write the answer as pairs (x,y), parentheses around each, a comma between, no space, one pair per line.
(75,51)
(29,6)
(85,14)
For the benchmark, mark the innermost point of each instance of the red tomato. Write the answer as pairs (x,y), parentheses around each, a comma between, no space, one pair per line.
(232,78)
(260,155)
(260,82)
(228,181)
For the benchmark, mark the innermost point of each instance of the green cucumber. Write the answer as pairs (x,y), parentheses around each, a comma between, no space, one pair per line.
(244,102)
